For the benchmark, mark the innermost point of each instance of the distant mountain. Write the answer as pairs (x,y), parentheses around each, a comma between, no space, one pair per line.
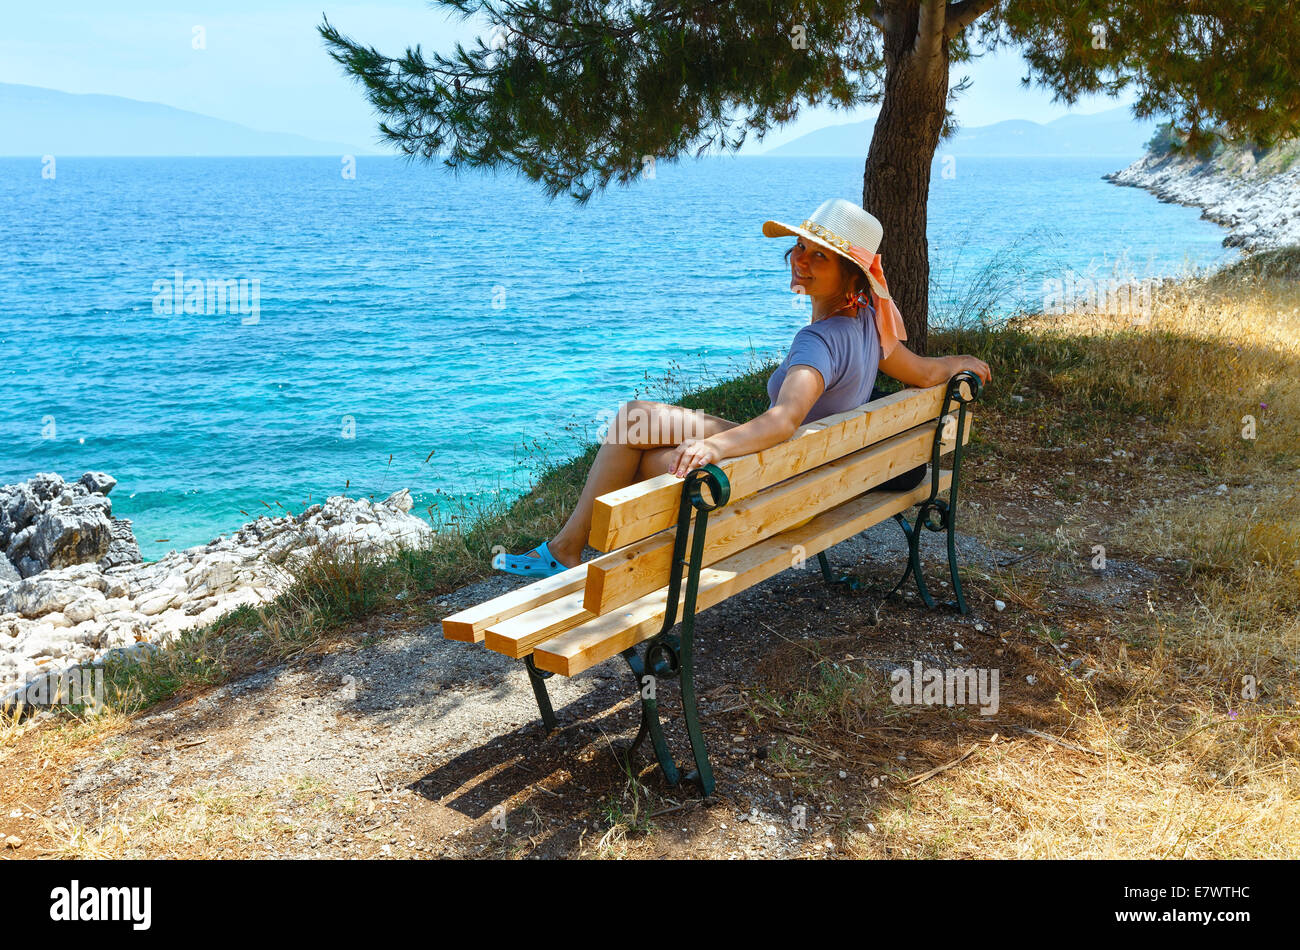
(1113,132)
(36,121)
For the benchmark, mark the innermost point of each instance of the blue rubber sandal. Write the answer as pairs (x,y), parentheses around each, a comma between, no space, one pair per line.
(539,562)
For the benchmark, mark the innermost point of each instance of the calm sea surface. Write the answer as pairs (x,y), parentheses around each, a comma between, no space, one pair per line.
(409,311)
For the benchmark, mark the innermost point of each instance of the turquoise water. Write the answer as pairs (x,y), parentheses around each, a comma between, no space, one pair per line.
(409,311)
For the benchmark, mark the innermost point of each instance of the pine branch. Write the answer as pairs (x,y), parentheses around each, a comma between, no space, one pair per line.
(965,12)
(929,30)
(581,93)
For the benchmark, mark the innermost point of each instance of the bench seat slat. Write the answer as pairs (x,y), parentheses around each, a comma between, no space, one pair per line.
(637,511)
(469,625)
(517,636)
(605,636)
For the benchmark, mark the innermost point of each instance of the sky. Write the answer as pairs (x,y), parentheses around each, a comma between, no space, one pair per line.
(263,65)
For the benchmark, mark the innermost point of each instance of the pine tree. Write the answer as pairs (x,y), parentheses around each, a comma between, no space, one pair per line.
(576,94)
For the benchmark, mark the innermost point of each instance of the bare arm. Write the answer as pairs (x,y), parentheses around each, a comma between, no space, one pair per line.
(802,387)
(921,371)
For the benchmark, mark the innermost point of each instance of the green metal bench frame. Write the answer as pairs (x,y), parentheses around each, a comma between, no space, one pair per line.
(667,655)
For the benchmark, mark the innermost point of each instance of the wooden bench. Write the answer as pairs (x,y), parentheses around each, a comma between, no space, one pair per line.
(763,513)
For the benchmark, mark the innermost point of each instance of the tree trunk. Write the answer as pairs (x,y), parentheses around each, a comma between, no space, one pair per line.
(896,182)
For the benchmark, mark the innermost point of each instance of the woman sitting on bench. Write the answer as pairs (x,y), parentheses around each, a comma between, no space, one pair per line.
(831,367)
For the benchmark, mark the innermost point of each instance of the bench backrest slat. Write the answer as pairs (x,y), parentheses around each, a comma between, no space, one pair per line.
(629,514)
(622,576)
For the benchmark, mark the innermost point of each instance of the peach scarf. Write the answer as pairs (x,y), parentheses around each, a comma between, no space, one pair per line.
(889,322)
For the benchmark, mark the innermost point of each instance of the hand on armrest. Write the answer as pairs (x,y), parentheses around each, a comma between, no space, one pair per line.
(802,388)
(921,371)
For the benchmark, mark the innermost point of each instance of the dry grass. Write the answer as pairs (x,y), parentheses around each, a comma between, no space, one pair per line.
(208,821)
(1182,769)
(64,738)
(1210,353)
(1197,741)
(1025,799)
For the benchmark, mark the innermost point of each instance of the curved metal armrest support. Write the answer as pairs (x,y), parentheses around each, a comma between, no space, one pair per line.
(963,389)
(692,498)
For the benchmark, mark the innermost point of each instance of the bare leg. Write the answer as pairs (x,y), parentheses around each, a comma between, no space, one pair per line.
(635,449)
(614,467)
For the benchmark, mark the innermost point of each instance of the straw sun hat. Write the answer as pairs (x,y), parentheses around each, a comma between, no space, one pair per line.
(846,229)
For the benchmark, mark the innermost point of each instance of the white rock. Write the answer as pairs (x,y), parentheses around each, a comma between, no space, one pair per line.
(38,595)
(155,603)
(172,621)
(400,500)
(86,608)
(1257,208)
(39,641)
(82,611)
(117,636)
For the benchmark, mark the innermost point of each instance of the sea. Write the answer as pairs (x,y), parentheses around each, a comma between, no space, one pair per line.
(236,337)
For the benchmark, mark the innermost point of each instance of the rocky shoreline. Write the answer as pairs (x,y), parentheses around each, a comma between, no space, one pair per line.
(1258,201)
(73,586)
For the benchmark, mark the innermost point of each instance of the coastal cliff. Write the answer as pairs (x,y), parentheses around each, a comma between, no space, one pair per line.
(73,586)
(1254,193)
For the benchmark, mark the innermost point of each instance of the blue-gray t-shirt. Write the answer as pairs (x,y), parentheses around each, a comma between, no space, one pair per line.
(845,350)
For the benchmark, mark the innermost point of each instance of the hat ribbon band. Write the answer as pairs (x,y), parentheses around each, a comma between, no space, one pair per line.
(829,235)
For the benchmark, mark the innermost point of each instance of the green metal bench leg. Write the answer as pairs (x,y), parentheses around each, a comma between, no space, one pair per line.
(826,568)
(538,680)
(831,578)
(952,558)
(913,535)
(650,724)
(950,510)
(702,774)
(666,655)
